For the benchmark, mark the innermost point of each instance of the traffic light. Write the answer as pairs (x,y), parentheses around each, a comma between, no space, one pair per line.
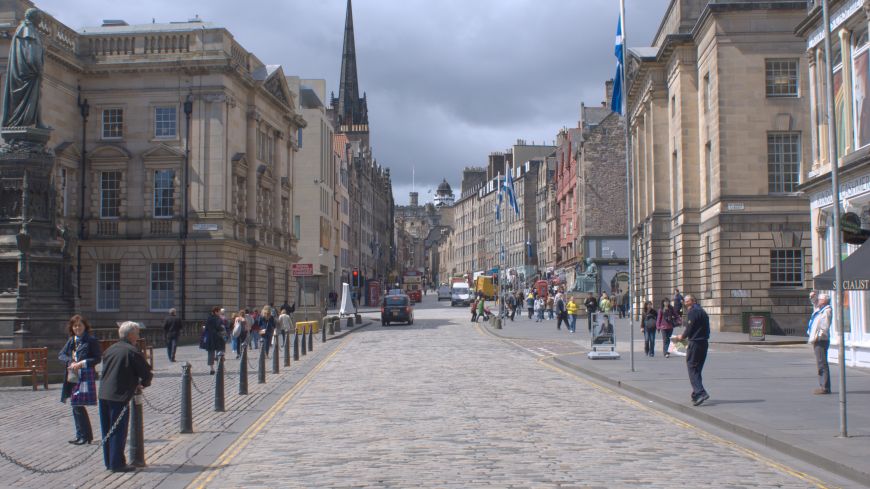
(354,277)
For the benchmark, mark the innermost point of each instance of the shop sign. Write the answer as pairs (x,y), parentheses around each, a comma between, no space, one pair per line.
(850,225)
(848,189)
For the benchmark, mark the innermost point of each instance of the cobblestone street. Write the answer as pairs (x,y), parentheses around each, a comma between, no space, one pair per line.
(438,404)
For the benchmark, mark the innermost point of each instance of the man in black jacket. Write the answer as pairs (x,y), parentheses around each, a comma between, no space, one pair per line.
(125,372)
(591,304)
(698,333)
(172,327)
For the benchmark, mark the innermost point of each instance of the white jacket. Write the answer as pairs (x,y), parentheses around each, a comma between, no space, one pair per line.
(821,324)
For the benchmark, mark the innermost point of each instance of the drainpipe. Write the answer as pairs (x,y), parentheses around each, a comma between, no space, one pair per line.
(84,109)
(188,109)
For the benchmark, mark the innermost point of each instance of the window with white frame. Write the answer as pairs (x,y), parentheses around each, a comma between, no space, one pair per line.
(783,162)
(164,193)
(113,123)
(110,194)
(162,286)
(781,77)
(108,286)
(165,121)
(786,268)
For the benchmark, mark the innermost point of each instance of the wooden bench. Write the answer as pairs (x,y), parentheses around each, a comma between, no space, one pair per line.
(143,345)
(25,361)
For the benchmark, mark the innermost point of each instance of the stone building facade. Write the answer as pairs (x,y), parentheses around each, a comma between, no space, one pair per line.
(719,141)
(851,51)
(137,112)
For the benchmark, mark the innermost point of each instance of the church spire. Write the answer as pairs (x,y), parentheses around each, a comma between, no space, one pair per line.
(351,109)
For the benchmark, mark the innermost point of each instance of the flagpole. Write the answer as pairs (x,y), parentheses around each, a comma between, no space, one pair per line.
(835,193)
(628,185)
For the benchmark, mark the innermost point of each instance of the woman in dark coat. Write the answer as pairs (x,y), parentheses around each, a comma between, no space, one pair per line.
(650,316)
(215,336)
(80,354)
(665,323)
(266,321)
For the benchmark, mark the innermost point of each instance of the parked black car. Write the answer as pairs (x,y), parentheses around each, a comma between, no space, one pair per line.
(397,308)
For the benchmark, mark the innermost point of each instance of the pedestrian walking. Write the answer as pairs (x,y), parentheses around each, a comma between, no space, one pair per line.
(648,328)
(266,322)
(678,301)
(125,373)
(530,304)
(665,323)
(239,333)
(697,331)
(253,328)
(561,312)
(624,304)
(80,355)
(481,309)
(172,327)
(549,306)
(572,308)
(511,304)
(539,309)
(604,303)
(474,310)
(818,333)
(285,325)
(591,304)
(617,303)
(215,340)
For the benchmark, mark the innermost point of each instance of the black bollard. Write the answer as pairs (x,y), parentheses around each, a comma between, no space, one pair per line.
(358,319)
(323,329)
(337,323)
(304,346)
(296,344)
(186,401)
(332,320)
(261,366)
(311,326)
(137,432)
(349,322)
(275,354)
(219,384)
(243,371)
(287,348)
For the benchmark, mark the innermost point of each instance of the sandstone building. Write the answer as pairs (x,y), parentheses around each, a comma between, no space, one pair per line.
(719,141)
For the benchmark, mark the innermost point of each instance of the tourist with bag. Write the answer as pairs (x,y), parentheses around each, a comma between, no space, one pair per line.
(239,334)
(81,354)
(648,327)
(215,340)
(665,322)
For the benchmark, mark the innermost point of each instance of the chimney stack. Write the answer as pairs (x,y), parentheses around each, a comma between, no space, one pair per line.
(608,92)
(414,199)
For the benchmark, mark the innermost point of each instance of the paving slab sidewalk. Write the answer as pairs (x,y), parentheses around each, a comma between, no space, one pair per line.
(762,391)
(35,426)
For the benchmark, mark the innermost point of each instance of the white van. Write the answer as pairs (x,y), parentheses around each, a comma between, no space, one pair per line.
(460,294)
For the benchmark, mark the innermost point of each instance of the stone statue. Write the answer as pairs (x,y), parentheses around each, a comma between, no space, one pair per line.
(588,281)
(591,269)
(24,75)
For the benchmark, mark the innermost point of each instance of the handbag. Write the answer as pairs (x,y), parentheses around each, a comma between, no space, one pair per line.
(85,391)
(72,376)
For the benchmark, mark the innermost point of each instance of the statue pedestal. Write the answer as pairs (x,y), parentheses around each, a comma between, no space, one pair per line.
(36,299)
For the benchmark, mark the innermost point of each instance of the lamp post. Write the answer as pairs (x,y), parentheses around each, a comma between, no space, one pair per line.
(84,110)
(185,188)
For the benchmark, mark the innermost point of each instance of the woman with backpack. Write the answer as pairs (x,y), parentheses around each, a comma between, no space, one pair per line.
(648,326)
(666,322)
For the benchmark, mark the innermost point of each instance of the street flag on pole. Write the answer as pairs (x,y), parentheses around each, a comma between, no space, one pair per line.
(618,51)
(511,191)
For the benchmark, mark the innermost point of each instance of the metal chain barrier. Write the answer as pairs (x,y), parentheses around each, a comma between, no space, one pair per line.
(77,463)
(155,408)
(195,387)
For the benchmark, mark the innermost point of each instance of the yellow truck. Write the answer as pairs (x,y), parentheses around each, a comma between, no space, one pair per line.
(483,284)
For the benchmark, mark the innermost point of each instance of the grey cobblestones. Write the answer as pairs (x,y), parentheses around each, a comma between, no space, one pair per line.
(439,405)
(35,426)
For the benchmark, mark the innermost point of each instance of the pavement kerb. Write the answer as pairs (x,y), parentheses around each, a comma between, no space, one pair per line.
(752,433)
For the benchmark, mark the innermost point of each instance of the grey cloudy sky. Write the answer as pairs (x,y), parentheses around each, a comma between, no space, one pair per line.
(448,81)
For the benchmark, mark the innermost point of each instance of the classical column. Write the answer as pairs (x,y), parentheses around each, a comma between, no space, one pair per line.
(251,153)
(846,49)
(279,169)
(821,65)
(814,121)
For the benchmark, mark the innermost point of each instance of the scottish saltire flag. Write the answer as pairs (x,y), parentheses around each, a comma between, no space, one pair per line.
(512,193)
(618,51)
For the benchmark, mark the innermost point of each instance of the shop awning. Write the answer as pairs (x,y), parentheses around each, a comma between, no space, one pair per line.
(855,269)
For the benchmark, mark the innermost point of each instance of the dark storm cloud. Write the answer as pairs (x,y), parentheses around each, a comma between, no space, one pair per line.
(448,81)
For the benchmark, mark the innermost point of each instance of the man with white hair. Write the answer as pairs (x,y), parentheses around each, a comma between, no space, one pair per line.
(697,331)
(125,372)
(818,331)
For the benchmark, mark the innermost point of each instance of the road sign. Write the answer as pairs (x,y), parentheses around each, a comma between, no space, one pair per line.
(302,269)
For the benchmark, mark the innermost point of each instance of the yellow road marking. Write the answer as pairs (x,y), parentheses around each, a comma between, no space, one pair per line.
(545,361)
(231,452)
(700,432)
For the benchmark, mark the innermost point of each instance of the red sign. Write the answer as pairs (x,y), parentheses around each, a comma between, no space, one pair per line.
(302,269)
